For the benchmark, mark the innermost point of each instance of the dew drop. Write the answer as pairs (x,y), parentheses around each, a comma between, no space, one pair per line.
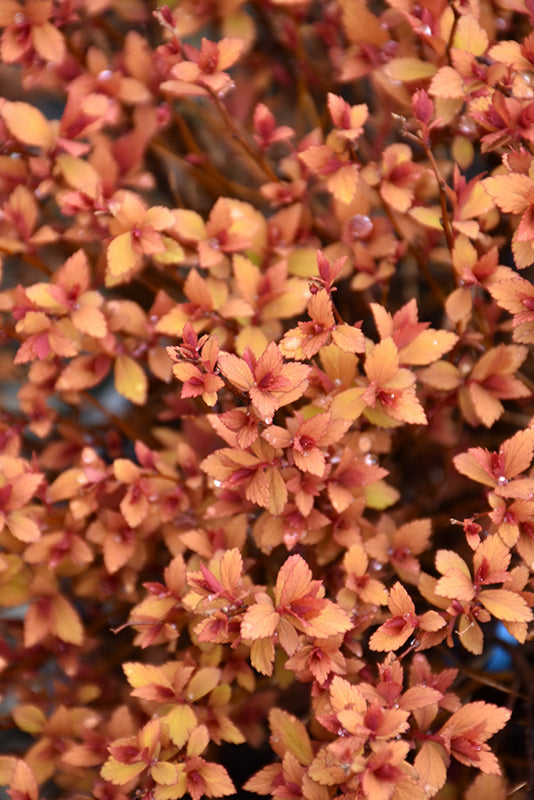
(502,481)
(217,483)
(104,75)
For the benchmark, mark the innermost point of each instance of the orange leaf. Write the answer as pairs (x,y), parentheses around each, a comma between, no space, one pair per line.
(260,620)
(27,124)
(447,83)
(349,339)
(510,192)
(518,452)
(262,656)
(427,347)
(505,605)
(294,581)
(485,718)
(431,764)
(217,780)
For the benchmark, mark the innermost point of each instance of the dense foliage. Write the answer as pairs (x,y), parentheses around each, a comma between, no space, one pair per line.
(266,491)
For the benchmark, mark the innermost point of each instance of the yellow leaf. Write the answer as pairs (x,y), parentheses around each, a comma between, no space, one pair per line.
(29,718)
(189,225)
(343,183)
(130,379)
(289,734)
(470,36)
(303,262)
(406,69)
(121,258)
(164,773)
(118,773)
(66,624)
(181,722)
(202,683)
(428,216)
(380,495)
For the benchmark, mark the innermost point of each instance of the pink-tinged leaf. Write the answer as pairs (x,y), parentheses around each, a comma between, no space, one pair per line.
(422,106)
(22,783)
(294,580)
(469,464)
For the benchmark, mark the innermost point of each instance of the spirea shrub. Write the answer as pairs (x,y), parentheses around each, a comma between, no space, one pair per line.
(266,437)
